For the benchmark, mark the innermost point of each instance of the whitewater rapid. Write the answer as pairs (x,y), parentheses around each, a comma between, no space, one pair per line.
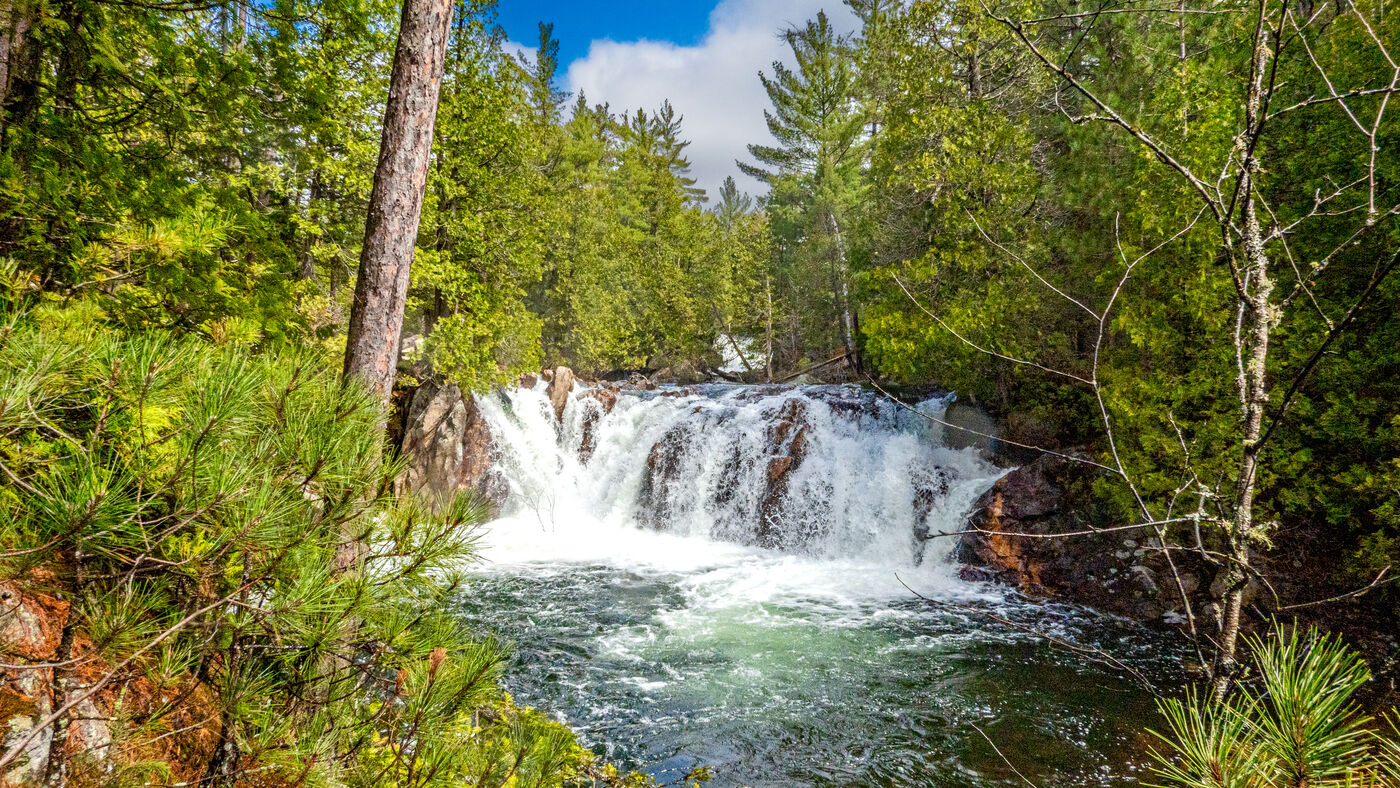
(723,582)
(854,496)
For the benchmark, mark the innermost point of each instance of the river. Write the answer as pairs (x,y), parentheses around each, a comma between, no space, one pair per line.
(733,578)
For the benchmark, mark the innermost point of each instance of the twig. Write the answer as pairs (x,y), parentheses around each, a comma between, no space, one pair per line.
(1004,759)
(1094,654)
(1358,592)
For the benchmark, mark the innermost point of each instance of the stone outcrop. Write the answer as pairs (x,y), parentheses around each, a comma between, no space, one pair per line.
(787,436)
(1011,538)
(561,383)
(597,402)
(785,442)
(41,673)
(449,448)
(31,626)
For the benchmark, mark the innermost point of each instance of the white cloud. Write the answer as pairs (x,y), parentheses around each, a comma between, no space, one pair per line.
(713,84)
(520,50)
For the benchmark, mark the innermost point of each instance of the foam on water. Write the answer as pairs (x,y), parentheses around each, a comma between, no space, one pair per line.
(852,497)
(648,617)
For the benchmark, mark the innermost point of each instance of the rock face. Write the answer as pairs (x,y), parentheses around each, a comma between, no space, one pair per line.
(31,626)
(598,402)
(788,438)
(78,748)
(752,489)
(561,382)
(1010,539)
(449,447)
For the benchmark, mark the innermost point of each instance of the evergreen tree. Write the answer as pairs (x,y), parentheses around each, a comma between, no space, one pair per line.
(815,166)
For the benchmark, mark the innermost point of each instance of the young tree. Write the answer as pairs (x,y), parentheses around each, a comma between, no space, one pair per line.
(815,165)
(1223,177)
(396,203)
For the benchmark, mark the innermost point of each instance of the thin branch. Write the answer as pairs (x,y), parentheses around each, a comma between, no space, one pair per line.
(989,436)
(1028,267)
(1379,581)
(979,348)
(1111,116)
(1004,759)
(1065,534)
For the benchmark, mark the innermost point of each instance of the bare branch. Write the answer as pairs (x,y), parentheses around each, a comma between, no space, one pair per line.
(979,348)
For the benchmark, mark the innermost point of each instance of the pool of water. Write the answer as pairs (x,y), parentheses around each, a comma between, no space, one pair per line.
(777,670)
(645,614)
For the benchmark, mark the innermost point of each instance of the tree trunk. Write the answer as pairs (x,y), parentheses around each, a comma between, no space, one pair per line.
(843,293)
(1252,347)
(16,19)
(396,203)
(768,341)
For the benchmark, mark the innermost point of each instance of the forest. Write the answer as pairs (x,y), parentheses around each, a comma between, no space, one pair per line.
(1160,240)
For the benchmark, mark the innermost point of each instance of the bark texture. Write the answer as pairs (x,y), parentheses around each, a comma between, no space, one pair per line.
(396,203)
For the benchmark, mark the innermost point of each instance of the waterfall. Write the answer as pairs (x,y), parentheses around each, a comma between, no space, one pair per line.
(824,472)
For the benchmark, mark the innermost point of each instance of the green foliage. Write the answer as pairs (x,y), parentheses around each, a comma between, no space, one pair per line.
(193,503)
(990,192)
(636,271)
(1300,726)
(814,171)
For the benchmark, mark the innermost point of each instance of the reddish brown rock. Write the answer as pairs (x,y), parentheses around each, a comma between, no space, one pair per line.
(1011,538)
(561,383)
(787,438)
(31,624)
(449,446)
(31,628)
(605,395)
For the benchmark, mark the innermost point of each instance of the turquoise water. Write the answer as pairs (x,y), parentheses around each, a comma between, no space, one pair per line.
(644,615)
(793,691)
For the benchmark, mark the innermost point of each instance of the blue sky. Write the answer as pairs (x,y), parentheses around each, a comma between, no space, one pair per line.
(577,24)
(703,55)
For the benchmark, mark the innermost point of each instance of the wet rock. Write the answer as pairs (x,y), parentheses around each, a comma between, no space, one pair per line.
(449,447)
(639,382)
(787,441)
(597,402)
(561,384)
(1011,539)
(930,486)
(686,373)
(663,467)
(529,381)
(968,426)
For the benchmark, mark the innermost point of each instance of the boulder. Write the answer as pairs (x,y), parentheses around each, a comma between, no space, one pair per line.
(598,402)
(787,441)
(449,448)
(561,383)
(1010,538)
(687,373)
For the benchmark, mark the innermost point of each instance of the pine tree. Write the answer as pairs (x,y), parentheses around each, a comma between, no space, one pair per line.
(816,120)
(381,291)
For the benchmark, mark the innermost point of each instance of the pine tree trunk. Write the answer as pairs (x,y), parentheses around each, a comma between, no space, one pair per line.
(396,203)
(843,293)
(768,334)
(16,19)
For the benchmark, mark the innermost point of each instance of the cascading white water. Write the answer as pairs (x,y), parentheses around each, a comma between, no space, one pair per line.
(824,472)
(723,581)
